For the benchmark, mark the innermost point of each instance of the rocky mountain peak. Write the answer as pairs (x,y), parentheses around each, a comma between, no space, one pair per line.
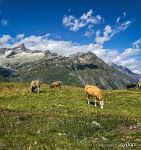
(90,58)
(21,47)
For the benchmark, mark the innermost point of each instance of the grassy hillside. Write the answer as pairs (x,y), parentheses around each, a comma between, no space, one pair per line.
(62,120)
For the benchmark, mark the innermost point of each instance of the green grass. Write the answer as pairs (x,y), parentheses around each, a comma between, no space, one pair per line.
(62,120)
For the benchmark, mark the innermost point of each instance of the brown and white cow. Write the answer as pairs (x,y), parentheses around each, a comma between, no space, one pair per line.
(56,84)
(35,84)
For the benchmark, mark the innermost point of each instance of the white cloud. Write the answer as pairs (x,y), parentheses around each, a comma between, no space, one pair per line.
(123,26)
(109,32)
(88,33)
(20,36)
(118,19)
(126,54)
(130,58)
(74,24)
(133,64)
(4,39)
(4,22)
(137,44)
(89,21)
(124,14)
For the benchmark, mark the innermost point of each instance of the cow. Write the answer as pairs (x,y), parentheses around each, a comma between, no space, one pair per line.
(139,84)
(95,93)
(35,84)
(132,85)
(56,84)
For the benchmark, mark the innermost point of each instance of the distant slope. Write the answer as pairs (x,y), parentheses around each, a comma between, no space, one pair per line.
(2,78)
(78,69)
(127,71)
(7,74)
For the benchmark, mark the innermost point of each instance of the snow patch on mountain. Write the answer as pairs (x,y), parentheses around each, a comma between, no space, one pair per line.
(20,56)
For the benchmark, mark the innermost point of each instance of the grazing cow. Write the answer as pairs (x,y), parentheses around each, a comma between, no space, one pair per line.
(139,84)
(56,84)
(94,92)
(132,85)
(35,85)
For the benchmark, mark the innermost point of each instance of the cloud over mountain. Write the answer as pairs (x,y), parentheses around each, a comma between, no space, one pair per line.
(126,58)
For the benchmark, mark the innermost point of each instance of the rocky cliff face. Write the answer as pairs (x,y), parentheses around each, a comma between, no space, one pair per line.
(79,69)
(128,72)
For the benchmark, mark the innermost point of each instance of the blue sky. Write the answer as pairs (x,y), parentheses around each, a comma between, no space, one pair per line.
(113,26)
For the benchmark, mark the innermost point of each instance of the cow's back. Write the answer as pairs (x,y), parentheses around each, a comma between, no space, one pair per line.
(35,83)
(92,90)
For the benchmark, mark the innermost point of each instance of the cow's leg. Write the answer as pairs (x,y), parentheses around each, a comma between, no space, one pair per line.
(38,90)
(95,102)
(88,99)
(31,89)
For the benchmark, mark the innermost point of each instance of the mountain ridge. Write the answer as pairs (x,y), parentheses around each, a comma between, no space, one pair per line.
(78,69)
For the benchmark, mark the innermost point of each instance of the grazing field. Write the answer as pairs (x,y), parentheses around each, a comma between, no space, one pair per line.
(61,119)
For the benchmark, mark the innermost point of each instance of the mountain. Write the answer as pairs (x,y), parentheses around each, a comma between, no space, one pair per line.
(78,69)
(127,71)
(123,69)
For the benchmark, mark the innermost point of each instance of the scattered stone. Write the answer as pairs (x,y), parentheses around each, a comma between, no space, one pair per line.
(104,139)
(60,105)
(35,142)
(38,132)
(96,123)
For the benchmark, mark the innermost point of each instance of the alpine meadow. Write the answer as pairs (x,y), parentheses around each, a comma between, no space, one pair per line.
(70,75)
(62,119)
